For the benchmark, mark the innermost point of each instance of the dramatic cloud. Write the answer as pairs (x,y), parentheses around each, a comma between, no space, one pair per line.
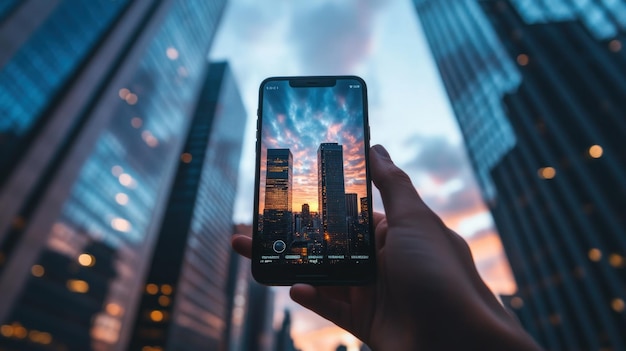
(451,188)
(491,262)
(300,120)
(334,36)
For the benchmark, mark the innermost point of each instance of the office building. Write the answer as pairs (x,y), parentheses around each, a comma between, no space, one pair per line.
(259,334)
(252,327)
(352,209)
(96,98)
(277,215)
(365,211)
(559,191)
(307,220)
(332,197)
(188,296)
(284,341)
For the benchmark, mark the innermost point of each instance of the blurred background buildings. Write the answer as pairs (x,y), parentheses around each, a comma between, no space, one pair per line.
(121,147)
(546,79)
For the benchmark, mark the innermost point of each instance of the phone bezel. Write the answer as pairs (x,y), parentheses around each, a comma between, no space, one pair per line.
(348,273)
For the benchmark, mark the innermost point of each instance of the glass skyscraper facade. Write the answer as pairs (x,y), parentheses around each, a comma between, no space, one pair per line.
(96,101)
(188,290)
(277,215)
(332,198)
(560,190)
(476,73)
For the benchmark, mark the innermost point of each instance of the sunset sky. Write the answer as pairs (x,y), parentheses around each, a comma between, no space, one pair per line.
(382,42)
(300,119)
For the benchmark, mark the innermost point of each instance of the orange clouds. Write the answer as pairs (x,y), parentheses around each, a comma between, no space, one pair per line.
(492,263)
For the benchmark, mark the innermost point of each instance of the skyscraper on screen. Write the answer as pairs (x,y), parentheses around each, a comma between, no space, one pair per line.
(547,149)
(96,99)
(277,214)
(332,197)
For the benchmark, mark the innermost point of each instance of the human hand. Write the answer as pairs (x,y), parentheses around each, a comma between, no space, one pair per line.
(427,294)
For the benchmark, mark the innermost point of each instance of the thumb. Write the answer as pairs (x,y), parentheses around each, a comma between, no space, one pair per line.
(399,196)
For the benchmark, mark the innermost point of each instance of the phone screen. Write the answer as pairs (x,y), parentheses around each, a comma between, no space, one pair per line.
(313,215)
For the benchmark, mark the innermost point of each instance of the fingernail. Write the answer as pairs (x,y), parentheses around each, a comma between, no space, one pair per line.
(381,151)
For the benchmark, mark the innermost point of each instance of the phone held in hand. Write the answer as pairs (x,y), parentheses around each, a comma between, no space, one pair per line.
(312,208)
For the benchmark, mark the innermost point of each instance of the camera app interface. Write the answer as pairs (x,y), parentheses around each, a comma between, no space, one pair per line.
(313,206)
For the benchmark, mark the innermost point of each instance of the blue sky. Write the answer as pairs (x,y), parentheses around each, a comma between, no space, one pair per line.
(380,41)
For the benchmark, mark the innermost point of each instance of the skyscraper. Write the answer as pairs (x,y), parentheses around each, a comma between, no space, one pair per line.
(284,341)
(95,101)
(332,197)
(476,72)
(307,220)
(352,209)
(365,210)
(277,221)
(559,197)
(187,294)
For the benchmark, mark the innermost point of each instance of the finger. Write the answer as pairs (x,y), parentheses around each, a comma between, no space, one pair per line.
(401,201)
(312,298)
(377,218)
(242,245)
(380,229)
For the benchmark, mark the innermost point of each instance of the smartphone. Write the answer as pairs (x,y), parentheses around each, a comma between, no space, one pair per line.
(313,197)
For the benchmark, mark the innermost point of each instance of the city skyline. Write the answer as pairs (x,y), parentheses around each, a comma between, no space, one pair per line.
(333,232)
(311,201)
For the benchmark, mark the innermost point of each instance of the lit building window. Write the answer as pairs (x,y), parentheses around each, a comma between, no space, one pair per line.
(6,330)
(166,289)
(147,136)
(152,289)
(77,286)
(171,53)
(40,337)
(114,309)
(618,305)
(121,199)
(595,151)
(37,270)
(595,254)
(136,122)
(123,93)
(86,260)
(117,170)
(523,59)
(120,224)
(156,316)
(125,179)
(616,260)
(19,331)
(186,157)
(164,301)
(546,172)
(131,99)
(615,45)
